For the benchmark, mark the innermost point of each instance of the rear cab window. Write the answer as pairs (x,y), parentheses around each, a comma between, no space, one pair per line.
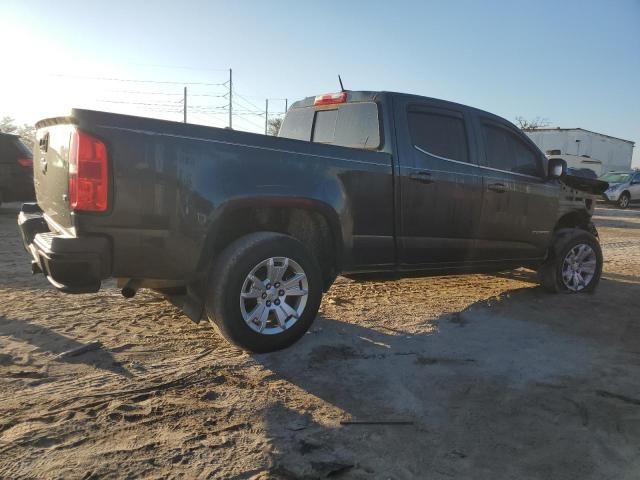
(354,125)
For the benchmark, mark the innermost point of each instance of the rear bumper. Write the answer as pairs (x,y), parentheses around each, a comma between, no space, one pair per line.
(71,264)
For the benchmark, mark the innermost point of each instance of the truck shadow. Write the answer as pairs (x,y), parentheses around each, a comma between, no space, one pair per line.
(468,370)
(520,274)
(47,340)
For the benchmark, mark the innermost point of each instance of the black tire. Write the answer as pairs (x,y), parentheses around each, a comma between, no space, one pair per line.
(624,200)
(226,283)
(550,273)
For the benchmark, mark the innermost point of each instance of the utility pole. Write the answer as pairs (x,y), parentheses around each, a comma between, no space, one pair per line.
(184,105)
(266,117)
(230,98)
(286,105)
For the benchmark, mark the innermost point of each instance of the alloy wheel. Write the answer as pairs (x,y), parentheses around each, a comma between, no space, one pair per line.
(579,267)
(274,295)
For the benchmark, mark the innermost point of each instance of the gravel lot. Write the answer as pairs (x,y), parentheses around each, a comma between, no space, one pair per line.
(486,376)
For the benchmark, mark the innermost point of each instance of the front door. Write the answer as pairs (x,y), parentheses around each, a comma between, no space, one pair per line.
(440,185)
(519,205)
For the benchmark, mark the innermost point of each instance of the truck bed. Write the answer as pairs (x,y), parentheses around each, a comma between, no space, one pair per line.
(170,182)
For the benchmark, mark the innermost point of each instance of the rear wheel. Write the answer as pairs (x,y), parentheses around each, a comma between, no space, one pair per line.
(624,200)
(264,292)
(574,264)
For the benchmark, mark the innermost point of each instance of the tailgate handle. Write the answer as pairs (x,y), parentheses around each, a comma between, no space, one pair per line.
(422,177)
(497,187)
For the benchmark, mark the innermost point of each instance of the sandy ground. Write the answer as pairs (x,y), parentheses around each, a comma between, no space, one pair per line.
(493,378)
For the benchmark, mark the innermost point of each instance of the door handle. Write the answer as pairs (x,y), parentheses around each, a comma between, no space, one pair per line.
(497,187)
(422,177)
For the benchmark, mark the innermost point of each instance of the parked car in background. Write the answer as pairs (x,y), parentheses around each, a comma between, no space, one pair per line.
(624,188)
(16,170)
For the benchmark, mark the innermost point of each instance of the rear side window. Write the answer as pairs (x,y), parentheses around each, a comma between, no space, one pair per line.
(439,134)
(505,151)
(353,125)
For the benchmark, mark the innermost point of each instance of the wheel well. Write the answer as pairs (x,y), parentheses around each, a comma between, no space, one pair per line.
(626,192)
(574,220)
(309,227)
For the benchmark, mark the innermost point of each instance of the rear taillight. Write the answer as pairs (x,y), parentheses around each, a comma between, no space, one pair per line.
(330,98)
(26,162)
(88,174)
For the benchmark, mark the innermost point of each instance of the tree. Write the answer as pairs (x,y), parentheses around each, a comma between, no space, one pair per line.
(7,125)
(534,124)
(26,132)
(274,126)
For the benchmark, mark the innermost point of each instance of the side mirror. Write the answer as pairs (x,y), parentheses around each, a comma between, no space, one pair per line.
(557,167)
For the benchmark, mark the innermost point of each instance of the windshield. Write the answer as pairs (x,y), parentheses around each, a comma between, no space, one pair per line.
(353,125)
(614,177)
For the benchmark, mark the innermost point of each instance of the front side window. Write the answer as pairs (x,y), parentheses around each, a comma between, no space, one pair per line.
(505,151)
(439,134)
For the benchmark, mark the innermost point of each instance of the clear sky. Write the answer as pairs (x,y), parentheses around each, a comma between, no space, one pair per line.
(576,63)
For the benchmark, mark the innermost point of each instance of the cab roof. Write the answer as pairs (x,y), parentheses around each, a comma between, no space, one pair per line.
(372,96)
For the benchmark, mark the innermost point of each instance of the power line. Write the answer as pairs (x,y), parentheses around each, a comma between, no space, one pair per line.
(250,122)
(177,67)
(173,104)
(142,92)
(248,101)
(210,121)
(138,81)
(248,108)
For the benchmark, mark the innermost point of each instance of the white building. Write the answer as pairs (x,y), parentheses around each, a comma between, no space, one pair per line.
(584,149)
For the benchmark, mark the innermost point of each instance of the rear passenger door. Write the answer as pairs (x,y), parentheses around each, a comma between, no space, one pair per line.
(519,205)
(440,185)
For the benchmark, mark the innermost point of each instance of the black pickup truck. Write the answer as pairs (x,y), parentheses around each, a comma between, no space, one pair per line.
(248,230)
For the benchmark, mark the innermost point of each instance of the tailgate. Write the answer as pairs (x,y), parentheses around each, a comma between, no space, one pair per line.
(51,172)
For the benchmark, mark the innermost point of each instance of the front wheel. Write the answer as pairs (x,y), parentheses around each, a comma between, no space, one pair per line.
(264,292)
(574,264)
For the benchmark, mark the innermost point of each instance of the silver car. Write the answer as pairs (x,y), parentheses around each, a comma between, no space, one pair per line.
(624,188)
